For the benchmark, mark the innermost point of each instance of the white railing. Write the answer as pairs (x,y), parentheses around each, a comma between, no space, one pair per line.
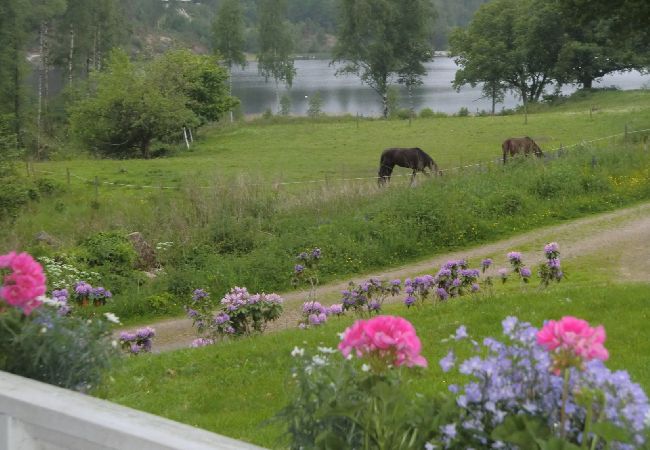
(38,416)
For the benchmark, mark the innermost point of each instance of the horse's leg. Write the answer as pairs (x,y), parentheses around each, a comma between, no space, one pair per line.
(413,177)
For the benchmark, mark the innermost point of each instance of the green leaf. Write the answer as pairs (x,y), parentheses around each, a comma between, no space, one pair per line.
(611,432)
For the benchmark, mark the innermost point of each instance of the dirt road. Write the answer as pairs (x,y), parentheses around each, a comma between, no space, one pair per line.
(621,237)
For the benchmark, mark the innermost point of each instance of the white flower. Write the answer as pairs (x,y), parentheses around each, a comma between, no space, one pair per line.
(319,360)
(114,343)
(297,352)
(112,317)
(326,350)
(365,368)
(43,330)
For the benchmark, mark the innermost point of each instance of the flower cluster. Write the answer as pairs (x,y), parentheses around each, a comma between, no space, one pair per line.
(201,342)
(518,267)
(454,279)
(24,283)
(84,293)
(62,274)
(551,270)
(572,342)
(239,313)
(519,379)
(384,341)
(139,341)
(368,296)
(314,314)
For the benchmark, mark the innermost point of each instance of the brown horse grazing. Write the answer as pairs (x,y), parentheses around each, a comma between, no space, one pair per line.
(516,146)
(411,158)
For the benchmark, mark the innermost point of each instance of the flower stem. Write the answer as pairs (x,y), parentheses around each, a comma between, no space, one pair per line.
(565,395)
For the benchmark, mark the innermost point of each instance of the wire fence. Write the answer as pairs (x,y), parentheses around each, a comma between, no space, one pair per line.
(557,152)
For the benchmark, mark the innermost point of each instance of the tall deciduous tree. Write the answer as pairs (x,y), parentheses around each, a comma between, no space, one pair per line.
(228,37)
(384,40)
(509,44)
(130,107)
(276,45)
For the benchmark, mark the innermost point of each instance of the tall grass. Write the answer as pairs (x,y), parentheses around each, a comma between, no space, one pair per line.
(247,233)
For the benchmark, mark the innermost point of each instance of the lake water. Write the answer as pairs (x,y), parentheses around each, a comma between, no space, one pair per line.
(346,94)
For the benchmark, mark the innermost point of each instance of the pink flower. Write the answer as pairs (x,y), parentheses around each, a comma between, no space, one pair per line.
(26,282)
(571,336)
(387,338)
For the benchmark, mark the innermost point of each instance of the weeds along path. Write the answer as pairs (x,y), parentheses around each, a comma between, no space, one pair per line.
(619,239)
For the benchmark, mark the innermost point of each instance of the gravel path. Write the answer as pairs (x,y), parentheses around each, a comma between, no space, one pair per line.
(622,237)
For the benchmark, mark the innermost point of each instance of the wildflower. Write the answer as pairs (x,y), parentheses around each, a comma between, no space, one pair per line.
(461,333)
(315,253)
(514,257)
(551,249)
(112,317)
(297,352)
(199,294)
(486,263)
(442,293)
(201,342)
(448,361)
(298,268)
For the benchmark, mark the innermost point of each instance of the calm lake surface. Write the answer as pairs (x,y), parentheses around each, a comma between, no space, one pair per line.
(346,94)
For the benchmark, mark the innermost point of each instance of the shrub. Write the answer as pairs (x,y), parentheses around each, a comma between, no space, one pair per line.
(463,112)
(110,251)
(427,113)
(162,303)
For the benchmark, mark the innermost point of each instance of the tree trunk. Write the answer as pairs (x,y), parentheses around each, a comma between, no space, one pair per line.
(17,91)
(587,82)
(144,148)
(384,101)
(70,55)
(41,76)
(494,99)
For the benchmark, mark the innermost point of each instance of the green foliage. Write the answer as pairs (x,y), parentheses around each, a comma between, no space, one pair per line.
(14,194)
(64,351)
(379,39)
(463,112)
(315,105)
(129,108)
(9,152)
(275,42)
(228,34)
(163,303)
(108,251)
(339,405)
(285,105)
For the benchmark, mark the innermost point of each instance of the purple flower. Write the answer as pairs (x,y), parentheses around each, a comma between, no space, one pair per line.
(126,336)
(396,282)
(191,313)
(554,263)
(442,293)
(461,333)
(221,318)
(135,348)
(315,253)
(83,289)
(514,257)
(374,305)
(525,272)
(551,249)
(486,263)
(503,273)
(298,268)
(60,295)
(336,309)
(448,361)
(201,342)
(410,300)
(314,319)
(199,294)
(475,287)
(145,333)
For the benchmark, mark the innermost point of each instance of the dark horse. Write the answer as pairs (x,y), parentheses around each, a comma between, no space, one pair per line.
(411,158)
(516,146)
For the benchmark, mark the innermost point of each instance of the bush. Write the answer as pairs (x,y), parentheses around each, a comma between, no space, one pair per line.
(463,112)
(110,251)
(14,194)
(162,303)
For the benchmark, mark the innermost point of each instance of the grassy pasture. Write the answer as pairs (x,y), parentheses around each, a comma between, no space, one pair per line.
(303,149)
(232,224)
(233,388)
